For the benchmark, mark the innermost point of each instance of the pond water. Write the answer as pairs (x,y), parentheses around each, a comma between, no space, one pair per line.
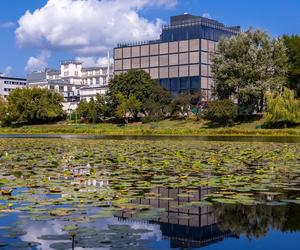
(149,193)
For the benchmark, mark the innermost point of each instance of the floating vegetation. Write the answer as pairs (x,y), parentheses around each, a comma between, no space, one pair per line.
(81,182)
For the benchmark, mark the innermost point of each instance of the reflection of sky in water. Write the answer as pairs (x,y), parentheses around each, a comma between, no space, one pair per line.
(36,229)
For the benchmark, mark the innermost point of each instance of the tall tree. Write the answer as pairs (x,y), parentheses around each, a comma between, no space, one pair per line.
(248,65)
(3,108)
(34,105)
(138,83)
(128,107)
(282,110)
(293,50)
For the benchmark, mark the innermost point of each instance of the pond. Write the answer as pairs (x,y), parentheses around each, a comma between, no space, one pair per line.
(149,193)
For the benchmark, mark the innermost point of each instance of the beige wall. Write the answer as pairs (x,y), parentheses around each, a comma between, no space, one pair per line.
(187,58)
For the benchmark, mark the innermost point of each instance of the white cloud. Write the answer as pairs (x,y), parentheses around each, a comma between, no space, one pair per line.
(7,25)
(7,70)
(39,62)
(92,61)
(206,15)
(88,27)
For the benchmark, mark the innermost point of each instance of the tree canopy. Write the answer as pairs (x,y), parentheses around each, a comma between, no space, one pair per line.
(293,51)
(247,65)
(151,99)
(282,109)
(33,106)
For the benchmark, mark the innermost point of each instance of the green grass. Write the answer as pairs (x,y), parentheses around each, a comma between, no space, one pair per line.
(167,127)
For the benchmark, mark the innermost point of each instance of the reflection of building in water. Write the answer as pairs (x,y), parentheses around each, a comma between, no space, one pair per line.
(186,228)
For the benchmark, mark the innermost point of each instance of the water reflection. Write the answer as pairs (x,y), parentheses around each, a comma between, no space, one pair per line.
(197,227)
(185,227)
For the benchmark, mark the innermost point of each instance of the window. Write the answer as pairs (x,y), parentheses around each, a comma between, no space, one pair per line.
(153,49)
(173,71)
(165,83)
(204,57)
(126,52)
(183,46)
(204,70)
(145,62)
(174,84)
(136,63)
(194,70)
(154,73)
(135,51)
(66,66)
(184,83)
(145,50)
(194,57)
(163,60)
(204,45)
(127,64)
(118,64)
(183,58)
(153,61)
(195,83)
(173,47)
(118,53)
(173,59)
(204,82)
(183,71)
(194,44)
(164,48)
(76,73)
(163,72)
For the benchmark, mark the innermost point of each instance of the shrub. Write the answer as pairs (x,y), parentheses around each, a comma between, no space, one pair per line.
(221,112)
(282,110)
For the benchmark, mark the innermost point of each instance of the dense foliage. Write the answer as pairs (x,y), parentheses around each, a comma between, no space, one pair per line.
(33,106)
(96,110)
(3,108)
(149,99)
(248,65)
(221,112)
(282,110)
(293,50)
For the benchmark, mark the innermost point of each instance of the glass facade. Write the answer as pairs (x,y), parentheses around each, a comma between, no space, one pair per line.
(180,60)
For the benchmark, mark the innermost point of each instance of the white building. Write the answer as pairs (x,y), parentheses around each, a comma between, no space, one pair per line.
(7,84)
(73,81)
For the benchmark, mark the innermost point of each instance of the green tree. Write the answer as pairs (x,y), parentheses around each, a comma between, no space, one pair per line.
(83,110)
(34,106)
(102,107)
(139,84)
(221,111)
(247,65)
(92,111)
(158,105)
(282,110)
(127,107)
(293,50)
(3,108)
(181,105)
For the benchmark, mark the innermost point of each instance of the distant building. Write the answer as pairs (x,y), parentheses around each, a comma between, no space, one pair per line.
(7,84)
(73,81)
(181,59)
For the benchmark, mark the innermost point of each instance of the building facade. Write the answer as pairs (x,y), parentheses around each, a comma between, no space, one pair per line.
(7,84)
(73,81)
(181,59)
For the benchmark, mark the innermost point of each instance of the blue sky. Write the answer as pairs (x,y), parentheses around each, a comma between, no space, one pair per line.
(46,48)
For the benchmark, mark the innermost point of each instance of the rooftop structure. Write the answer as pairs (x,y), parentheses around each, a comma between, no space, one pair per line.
(7,84)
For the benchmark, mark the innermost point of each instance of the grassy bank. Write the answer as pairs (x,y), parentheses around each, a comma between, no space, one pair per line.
(167,127)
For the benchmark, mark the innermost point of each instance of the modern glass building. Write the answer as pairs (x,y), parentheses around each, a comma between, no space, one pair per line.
(181,59)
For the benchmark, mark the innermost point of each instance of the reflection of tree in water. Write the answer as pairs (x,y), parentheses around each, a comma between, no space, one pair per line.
(256,221)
